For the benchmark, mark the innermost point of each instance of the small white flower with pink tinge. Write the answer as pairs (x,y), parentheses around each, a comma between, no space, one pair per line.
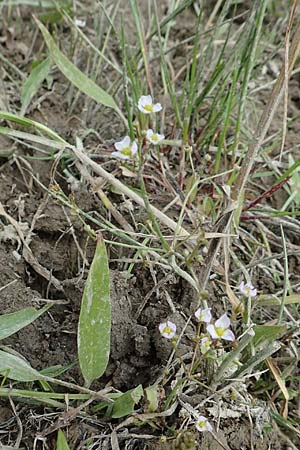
(125,148)
(203,315)
(203,424)
(146,106)
(167,329)
(247,289)
(154,138)
(220,330)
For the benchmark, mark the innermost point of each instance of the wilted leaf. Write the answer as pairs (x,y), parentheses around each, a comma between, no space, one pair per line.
(95,318)
(17,368)
(11,323)
(152,398)
(61,443)
(33,83)
(124,405)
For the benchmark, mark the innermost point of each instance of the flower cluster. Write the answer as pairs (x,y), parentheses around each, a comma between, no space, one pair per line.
(218,330)
(126,148)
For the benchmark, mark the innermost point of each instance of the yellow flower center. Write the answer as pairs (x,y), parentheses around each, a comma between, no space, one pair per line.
(154,137)
(219,331)
(168,330)
(148,108)
(201,424)
(126,151)
(247,291)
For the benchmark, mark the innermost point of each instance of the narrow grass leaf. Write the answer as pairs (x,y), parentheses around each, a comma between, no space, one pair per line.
(16,134)
(124,405)
(33,83)
(95,318)
(16,368)
(61,443)
(266,300)
(38,3)
(75,76)
(30,123)
(11,323)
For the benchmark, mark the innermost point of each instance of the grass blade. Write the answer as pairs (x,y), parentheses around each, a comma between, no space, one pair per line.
(30,123)
(61,443)
(33,83)
(95,318)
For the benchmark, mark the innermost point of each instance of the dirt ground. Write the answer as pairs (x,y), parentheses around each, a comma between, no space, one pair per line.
(57,241)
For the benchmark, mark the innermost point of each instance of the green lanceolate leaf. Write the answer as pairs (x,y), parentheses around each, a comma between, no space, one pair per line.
(11,323)
(265,333)
(33,83)
(75,76)
(124,405)
(16,368)
(95,318)
(61,443)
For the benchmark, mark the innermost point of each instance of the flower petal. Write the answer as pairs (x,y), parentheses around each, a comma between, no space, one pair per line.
(228,335)
(123,144)
(211,330)
(157,107)
(146,100)
(162,326)
(149,134)
(223,322)
(120,155)
(203,315)
(242,287)
(134,148)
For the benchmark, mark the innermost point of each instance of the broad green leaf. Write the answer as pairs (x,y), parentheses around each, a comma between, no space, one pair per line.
(95,318)
(16,368)
(61,443)
(267,333)
(75,76)
(31,123)
(33,83)
(124,405)
(11,323)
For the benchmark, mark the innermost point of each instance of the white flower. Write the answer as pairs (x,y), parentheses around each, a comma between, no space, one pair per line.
(80,23)
(203,424)
(167,329)
(126,148)
(205,344)
(203,315)
(220,330)
(146,106)
(154,138)
(247,289)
